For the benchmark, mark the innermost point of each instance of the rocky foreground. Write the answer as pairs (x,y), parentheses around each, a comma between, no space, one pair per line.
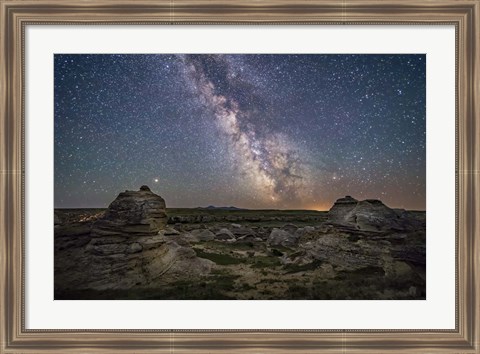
(138,249)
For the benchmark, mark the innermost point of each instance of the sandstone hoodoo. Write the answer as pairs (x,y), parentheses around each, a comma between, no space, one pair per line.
(133,212)
(369,215)
(126,248)
(372,214)
(341,208)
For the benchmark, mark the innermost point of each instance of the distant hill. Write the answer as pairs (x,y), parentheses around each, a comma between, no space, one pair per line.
(211,207)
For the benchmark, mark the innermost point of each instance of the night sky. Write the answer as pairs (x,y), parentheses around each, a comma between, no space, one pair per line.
(252,131)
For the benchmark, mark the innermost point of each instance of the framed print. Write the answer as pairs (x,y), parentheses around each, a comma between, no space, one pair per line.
(259,248)
(217,176)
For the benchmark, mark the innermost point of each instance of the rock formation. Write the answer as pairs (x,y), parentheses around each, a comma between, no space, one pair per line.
(369,215)
(202,235)
(224,235)
(133,212)
(127,247)
(117,262)
(373,215)
(282,238)
(341,208)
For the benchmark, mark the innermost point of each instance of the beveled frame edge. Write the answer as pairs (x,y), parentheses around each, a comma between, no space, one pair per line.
(15,14)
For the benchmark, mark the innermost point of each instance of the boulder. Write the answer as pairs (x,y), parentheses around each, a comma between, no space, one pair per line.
(224,235)
(243,231)
(168,231)
(308,229)
(291,228)
(133,213)
(202,235)
(283,238)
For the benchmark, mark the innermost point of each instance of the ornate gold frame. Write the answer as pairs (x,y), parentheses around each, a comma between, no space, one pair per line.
(16,14)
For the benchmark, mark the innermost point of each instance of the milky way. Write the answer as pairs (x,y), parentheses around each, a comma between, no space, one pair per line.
(255,131)
(269,161)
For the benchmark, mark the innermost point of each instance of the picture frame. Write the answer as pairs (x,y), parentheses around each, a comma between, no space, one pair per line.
(17,14)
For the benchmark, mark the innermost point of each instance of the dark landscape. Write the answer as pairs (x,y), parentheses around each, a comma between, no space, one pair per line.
(139,249)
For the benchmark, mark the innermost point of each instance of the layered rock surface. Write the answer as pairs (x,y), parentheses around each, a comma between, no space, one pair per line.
(370,215)
(133,212)
(341,208)
(124,248)
(114,262)
(282,238)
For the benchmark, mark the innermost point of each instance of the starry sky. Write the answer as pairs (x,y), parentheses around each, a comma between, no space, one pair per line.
(254,131)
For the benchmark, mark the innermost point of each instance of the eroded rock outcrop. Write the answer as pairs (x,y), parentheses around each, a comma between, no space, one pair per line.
(373,215)
(370,215)
(202,235)
(114,262)
(133,212)
(224,235)
(341,208)
(283,238)
(126,248)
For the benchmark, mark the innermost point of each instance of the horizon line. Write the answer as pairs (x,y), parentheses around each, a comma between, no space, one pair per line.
(237,208)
